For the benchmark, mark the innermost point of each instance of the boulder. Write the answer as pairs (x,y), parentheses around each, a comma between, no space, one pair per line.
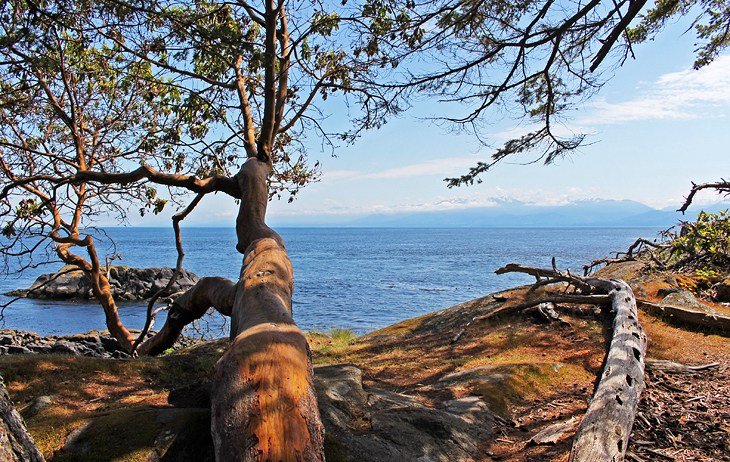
(93,343)
(374,425)
(686,299)
(37,405)
(126,283)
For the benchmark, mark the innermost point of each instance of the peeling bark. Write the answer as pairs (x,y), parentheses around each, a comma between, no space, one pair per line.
(263,403)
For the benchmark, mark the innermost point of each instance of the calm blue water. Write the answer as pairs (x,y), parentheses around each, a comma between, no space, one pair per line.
(361,279)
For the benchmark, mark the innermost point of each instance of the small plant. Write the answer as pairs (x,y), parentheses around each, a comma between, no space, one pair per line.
(342,336)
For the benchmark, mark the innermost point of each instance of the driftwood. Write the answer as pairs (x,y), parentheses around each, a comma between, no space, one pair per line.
(16,444)
(604,431)
(676,368)
(553,433)
(721,187)
(698,319)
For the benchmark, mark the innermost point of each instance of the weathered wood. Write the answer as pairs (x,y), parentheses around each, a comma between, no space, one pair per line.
(698,319)
(676,368)
(16,444)
(263,403)
(604,432)
(553,433)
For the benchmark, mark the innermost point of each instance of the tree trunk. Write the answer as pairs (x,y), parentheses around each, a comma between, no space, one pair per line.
(16,445)
(263,402)
(603,434)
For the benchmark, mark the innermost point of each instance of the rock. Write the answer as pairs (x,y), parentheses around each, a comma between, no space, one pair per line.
(722,291)
(126,283)
(37,405)
(42,348)
(65,347)
(686,299)
(376,425)
(18,350)
(93,343)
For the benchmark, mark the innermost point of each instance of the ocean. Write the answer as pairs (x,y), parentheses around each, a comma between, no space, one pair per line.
(352,278)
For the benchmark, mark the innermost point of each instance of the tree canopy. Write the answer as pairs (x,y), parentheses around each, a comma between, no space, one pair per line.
(534,60)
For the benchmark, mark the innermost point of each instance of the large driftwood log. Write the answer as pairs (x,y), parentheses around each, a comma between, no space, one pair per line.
(263,402)
(604,432)
(16,445)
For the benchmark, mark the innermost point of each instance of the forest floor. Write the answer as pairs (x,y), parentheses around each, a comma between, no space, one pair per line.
(531,374)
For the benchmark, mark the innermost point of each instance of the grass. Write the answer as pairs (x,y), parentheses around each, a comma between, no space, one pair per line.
(332,346)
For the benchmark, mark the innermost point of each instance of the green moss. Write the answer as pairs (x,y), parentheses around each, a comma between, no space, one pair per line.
(505,386)
(332,346)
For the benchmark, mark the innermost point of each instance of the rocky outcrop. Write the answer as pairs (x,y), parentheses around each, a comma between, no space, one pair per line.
(376,425)
(92,343)
(362,424)
(127,283)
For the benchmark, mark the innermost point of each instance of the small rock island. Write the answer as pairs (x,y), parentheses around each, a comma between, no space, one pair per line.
(128,284)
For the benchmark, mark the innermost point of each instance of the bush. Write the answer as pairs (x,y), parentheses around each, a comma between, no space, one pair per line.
(705,242)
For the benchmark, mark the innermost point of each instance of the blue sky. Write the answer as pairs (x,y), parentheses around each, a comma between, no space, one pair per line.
(656,126)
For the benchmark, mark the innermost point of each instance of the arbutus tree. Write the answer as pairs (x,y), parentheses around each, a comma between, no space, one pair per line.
(104,103)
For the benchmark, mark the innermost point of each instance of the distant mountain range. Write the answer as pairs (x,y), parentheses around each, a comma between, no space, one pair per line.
(512,213)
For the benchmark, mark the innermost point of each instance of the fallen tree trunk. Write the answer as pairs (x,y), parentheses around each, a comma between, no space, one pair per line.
(603,434)
(16,444)
(697,319)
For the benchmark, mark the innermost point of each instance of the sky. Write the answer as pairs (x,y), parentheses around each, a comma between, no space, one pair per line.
(655,127)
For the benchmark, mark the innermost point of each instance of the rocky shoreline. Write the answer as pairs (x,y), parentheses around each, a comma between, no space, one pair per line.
(93,343)
(127,284)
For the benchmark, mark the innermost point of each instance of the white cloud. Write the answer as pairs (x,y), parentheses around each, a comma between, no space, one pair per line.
(334,175)
(441,167)
(444,166)
(683,95)
(498,196)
